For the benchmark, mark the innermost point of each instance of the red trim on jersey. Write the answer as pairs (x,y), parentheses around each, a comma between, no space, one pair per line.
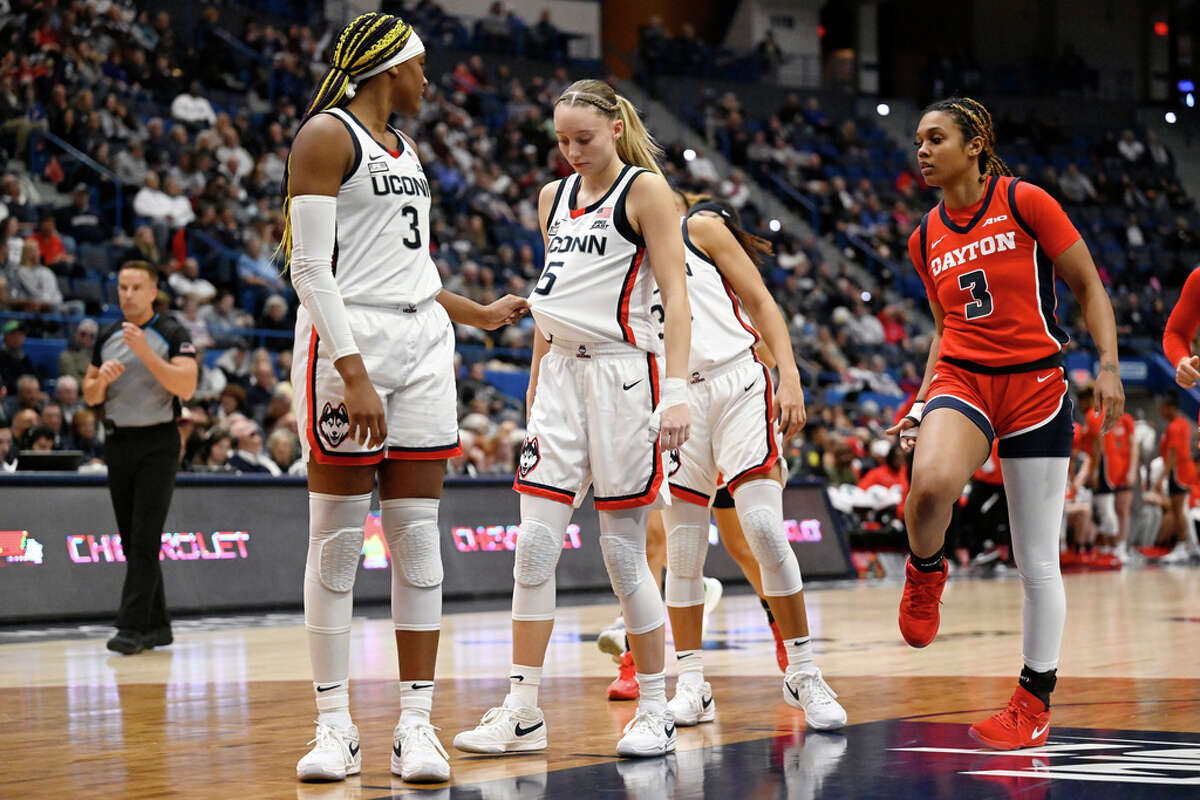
(690,496)
(423,453)
(772,456)
(1183,322)
(394,153)
(576,213)
(314,442)
(627,294)
(736,312)
(540,490)
(650,494)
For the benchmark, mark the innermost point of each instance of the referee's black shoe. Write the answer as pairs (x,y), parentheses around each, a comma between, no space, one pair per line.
(159,637)
(127,642)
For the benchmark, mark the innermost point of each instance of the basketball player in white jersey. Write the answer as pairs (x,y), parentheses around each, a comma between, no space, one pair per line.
(373,371)
(598,415)
(736,432)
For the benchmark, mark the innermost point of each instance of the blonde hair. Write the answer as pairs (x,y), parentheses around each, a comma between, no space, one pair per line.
(635,145)
(366,42)
(973,120)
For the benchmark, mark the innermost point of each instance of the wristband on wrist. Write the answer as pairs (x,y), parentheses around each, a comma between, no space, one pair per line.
(915,412)
(674,393)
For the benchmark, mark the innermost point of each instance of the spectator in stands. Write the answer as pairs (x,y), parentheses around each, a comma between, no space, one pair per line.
(284,449)
(190,318)
(1075,187)
(702,169)
(263,382)
(39,439)
(16,200)
(82,220)
(130,164)
(22,421)
(144,247)
(14,361)
(770,56)
(31,286)
(1130,148)
(53,419)
(29,396)
(232,402)
(192,108)
(86,436)
(10,233)
(74,359)
(735,190)
(224,319)
(50,245)
(214,453)
(250,457)
(8,453)
(275,318)
(258,273)
(186,282)
(66,395)
(211,382)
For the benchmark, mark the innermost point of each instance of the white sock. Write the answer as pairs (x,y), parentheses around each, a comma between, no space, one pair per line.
(799,653)
(416,701)
(652,696)
(523,682)
(691,667)
(333,703)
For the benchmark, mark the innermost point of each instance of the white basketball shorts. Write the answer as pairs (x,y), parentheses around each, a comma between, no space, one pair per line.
(589,426)
(409,356)
(733,431)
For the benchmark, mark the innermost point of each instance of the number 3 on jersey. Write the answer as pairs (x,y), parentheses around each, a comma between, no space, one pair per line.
(549,276)
(976,283)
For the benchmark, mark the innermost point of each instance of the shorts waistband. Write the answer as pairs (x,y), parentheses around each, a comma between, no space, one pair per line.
(737,362)
(1049,362)
(397,308)
(594,349)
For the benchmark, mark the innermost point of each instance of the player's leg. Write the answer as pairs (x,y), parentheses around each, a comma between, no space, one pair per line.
(1124,503)
(410,493)
(954,441)
(687,546)
(614,640)
(730,531)
(759,503)
(339,498)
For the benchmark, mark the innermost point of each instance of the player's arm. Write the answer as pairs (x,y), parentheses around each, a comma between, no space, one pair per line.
(1181,330)
(711,235)
(651,208)
(321,155)
(464,310)
(906,427)
(541,345)
(1076,267)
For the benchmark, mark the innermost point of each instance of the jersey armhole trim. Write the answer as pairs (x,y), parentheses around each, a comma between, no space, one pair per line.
(925,242)
(621,217)
(562,185)
(1016,213)
(354,140)
(687,241)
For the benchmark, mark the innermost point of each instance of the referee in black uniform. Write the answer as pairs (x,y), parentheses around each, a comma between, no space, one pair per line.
(141,367)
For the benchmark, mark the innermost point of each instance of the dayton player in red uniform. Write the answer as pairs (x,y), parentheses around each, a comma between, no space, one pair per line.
(1181,330)
(988,254)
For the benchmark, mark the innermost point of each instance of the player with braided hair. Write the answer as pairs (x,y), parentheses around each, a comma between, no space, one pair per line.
(988,254)
(374,376)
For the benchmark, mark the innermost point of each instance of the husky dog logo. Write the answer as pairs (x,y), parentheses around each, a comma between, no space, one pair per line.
(697,378)
(673,463)
(334,424)
(530,456)
(582,352)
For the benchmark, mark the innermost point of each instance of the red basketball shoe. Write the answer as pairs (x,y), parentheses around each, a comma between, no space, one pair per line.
(625,685)
(919,616)
(1024,723)
(780,650)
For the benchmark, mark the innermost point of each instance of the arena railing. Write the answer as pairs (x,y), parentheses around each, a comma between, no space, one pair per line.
(38,158)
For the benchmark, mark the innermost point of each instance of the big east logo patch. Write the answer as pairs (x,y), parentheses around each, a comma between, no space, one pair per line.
(334,424)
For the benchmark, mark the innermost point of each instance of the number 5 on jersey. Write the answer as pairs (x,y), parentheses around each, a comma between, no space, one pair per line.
(976,283)
(549,276)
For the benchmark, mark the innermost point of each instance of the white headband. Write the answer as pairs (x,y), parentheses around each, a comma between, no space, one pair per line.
(412,48)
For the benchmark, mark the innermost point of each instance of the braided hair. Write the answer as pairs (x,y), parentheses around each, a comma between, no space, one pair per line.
(636,146)
(974,120)
(366,42)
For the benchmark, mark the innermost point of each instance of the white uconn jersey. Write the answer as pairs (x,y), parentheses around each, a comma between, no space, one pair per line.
(597,285)
(381,253)
(720,331)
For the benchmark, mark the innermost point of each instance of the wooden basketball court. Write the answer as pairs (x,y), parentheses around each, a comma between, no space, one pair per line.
(226,711)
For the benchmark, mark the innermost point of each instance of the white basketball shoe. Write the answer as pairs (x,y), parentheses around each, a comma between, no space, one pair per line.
(807,690)
(335,755)
(417,755)
(648,734)
(505,730)
(692,704)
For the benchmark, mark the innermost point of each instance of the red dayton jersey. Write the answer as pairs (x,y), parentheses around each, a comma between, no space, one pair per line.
(990,267)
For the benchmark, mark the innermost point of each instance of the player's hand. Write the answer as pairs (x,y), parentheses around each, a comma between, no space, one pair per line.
(505,311)
(1187,371)
(906,429)
(1111,396)
(111,370)
(135,339)
(789,399)
(365,410)
(674,427)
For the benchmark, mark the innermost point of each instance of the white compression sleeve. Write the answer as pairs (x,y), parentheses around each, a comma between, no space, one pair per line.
(314,223)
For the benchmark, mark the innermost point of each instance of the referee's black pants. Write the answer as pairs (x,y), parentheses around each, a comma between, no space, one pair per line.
(141,477)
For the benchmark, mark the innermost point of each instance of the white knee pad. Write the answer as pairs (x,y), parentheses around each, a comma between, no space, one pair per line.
(1036,488)
(334,544)
(410,527)
(539,545)
(1106,513)
(687,547)
(623,544)
(759,506)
